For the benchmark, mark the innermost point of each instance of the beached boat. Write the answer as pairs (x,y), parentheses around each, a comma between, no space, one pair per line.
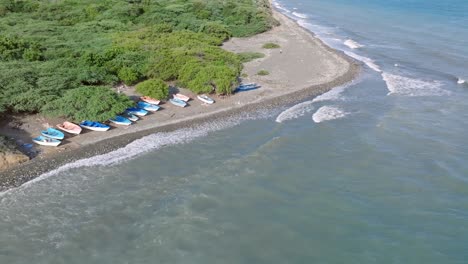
(204,98)
(136,111)
(181,97)
(247,87)
(178,102)
(96,126)
(53,133)
(120,120)
(150,100)
(148,107)
(70,127)
(45,141)
(130,117)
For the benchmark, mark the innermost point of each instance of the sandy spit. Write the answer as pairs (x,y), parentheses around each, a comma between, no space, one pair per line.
(302,68)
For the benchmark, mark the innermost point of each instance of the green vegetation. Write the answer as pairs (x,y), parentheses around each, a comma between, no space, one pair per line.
(250,56)
(263,72)
(154,88)
(271,45)
(86,102)
(56,53)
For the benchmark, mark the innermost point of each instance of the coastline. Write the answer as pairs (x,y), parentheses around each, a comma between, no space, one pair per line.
(276,91)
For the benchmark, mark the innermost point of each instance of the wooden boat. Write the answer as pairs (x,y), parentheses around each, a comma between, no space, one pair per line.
(148,107)
(150,100)
(178,102)
(70,127)
(136,111)
(130,117)
(181,97)
(120,120)
(95,126)
(204,98)
(53,133)
(45,141)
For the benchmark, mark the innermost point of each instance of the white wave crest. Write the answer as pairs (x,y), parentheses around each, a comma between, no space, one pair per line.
(280,7)
(332,95)
(368,61)
(300,15)
(327,113)
(295,111)
(353,44)
(402,85)
(461,81)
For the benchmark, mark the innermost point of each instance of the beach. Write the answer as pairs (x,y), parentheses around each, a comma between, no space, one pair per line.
(301,68)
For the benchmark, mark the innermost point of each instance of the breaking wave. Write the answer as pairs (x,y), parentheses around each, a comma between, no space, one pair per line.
(368,61)
(461,81)
(295,111)
(352,44)
(402,85)
(327,113)
(300,15)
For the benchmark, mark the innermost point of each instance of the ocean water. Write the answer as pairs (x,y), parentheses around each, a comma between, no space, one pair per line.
(371,172)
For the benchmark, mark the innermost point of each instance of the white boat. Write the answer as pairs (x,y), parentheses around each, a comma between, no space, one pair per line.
(204,98)
(178,102)
(45,141)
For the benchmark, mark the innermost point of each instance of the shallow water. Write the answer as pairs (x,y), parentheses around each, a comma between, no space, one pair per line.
(371,172)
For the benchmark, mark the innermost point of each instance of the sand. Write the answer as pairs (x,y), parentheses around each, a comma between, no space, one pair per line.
(301,68)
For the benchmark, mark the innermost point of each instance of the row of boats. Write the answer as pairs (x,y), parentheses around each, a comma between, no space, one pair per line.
(53,137)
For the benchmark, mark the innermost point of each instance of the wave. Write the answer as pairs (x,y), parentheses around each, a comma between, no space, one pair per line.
(352,44)
(327,113)
(280,7)
(461,81)
(151,143)
(368,61)
(300,15)
(295,111)
(402,85)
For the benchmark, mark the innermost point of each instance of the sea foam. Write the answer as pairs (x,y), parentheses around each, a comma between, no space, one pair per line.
(461,81)
(352,44)
(327,113)
(368,61)
(295,111)
(406,86)
(300,15)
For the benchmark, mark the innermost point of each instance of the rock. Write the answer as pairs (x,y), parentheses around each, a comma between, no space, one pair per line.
(9,155)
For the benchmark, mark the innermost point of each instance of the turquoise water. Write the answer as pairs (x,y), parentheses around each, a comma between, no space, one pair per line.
(372,172)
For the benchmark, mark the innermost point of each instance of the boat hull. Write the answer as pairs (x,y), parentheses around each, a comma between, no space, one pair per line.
(205,100)
(178,103)
(46,142)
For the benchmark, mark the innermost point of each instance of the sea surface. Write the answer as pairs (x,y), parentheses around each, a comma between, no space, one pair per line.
(372,172)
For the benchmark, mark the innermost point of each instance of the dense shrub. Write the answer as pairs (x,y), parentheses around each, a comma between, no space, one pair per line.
(249,56)
(95,103)
(263,72)
(155,88)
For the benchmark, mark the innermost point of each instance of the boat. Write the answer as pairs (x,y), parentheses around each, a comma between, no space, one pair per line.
(204,98)
(130,117)
(45,141)
(148,107)
(150,100)
(178,102)
(96,126)
(120,120)
(53,133)
(181,97)
(70,127)
(247,87)
(136,111)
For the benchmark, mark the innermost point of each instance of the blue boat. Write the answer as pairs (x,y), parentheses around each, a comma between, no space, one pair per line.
(120,120)
(53,133)
(96,126)
(136,111)
(148,106)
(247,87)
(45,141)
(178,102)
(130,117)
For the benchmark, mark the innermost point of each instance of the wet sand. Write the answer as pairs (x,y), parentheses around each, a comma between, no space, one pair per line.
(301,68)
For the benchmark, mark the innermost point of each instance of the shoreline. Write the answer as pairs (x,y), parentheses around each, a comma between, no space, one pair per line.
(304,88)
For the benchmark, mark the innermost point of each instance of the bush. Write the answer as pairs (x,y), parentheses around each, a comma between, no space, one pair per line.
(263,72)
(96,103)
(155,88)
(128,75)
(271,46)
(250,56)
